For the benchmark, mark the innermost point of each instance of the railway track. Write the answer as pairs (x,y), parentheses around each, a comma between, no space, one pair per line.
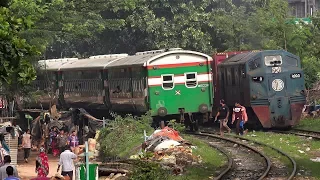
(301,132)
(279,168)
(244,161)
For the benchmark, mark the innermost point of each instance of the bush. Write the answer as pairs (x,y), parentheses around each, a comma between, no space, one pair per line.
(147,171)
(177,126)
(122,135)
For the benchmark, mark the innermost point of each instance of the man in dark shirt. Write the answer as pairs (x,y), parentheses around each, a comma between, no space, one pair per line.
(223,114)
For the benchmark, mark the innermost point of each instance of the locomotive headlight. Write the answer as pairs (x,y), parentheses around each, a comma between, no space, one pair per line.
(295,75)
(257,79)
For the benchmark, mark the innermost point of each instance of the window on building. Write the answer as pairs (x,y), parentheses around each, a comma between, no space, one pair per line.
(167,81)
(191,80)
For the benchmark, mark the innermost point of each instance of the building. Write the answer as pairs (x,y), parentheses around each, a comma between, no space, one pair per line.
(303,8)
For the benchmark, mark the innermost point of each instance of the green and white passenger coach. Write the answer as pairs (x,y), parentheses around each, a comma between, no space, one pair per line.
(177,82)
(168,83)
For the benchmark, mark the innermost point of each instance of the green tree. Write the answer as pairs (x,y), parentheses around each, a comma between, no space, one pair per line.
(16,70)
(61,28)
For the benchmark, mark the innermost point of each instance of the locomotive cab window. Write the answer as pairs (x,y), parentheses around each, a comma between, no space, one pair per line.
(167,81)
(273,60)
(191,80)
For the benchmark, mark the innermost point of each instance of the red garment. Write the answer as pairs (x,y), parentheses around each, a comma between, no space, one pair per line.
(55,150)
(170,133)
(43,169)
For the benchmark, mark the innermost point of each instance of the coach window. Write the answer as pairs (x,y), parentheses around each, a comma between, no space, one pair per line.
(167,81)
(191,80)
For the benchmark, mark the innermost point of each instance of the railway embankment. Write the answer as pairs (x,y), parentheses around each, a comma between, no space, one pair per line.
(137,150)
(304,150)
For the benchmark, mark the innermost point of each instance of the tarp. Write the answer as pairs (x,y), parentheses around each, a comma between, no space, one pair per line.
(170,133)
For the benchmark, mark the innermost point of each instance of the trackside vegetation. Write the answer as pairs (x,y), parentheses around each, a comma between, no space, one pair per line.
(299,148)
(309,124)
(124,136)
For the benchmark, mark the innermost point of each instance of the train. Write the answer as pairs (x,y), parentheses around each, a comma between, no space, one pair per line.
(179,84)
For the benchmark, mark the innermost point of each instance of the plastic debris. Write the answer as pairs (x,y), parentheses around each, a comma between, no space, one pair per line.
(235,145)
(166,145)
(301,151)
(307,149)
(170,150)
(316,159)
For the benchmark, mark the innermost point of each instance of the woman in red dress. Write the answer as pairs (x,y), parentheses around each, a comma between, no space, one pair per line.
(42,166)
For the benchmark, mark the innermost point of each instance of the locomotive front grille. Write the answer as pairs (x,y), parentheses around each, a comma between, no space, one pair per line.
(279,103)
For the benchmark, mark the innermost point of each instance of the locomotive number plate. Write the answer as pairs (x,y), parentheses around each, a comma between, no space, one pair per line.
(277,85)
(295,75)
(276,69)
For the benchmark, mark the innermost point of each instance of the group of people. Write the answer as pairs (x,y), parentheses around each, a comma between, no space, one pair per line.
(59,141)
(239,115)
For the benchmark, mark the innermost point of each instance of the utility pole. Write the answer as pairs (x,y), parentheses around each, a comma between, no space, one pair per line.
(305,8)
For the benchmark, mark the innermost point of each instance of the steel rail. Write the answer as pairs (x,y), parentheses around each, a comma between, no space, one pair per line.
(293,162)
(305,133)
(304,130)
(230,162)
(268,162)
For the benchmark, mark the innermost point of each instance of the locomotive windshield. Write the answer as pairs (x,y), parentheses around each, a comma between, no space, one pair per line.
(273,60)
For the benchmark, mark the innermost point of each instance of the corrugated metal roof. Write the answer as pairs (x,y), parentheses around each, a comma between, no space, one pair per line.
(144,58)
(54,64)
(139,59)
(94,62)
(240,58)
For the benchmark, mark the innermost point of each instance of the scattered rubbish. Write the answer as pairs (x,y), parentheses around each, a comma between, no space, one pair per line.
(171,151)
(301,151)
(316,159)
(308,149)
(253,135)
(166,145)
(310,138)
(235,145)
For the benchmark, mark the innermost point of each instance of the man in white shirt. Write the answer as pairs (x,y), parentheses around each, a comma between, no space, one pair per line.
(66,161)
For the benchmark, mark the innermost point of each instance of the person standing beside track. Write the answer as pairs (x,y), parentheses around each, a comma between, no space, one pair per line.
(223,114)
(239,114)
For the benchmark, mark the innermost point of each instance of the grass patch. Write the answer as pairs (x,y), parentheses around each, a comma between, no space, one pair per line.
(309,124)
(212,160)
(123,135)
(291,145)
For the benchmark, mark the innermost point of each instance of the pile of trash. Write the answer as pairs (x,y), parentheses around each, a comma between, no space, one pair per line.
(169,149)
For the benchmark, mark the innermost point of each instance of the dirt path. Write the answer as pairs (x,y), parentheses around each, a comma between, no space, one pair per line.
(27,170)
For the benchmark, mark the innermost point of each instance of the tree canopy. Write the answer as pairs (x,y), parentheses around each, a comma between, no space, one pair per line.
(73,28)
